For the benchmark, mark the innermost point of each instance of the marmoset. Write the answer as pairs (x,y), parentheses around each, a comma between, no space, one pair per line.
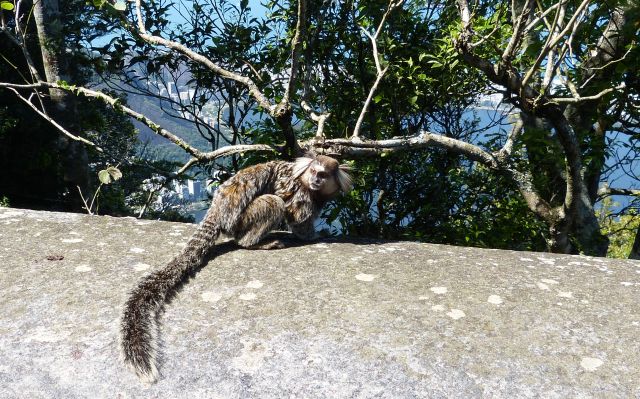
(246,207)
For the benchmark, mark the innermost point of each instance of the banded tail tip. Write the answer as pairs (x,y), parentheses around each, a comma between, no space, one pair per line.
(146,374)
(142,364)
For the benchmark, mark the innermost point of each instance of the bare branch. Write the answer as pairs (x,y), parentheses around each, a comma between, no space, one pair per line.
(516,130)
(614,61)
(187,165)
(22,44)
(572,24)
(577,98)
(609,45)
(487,36)
(234,149)
(296,49)
(606,191)
(223,152)
(320,119)
(53,122)
(32,69)
(367,102)
(200,156)
(359,147)
(518,31)
(380,72)
(555,37)
(364,148)
(250,84)
(542,16)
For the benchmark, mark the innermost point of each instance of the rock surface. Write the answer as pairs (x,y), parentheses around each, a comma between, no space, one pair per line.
(326,320)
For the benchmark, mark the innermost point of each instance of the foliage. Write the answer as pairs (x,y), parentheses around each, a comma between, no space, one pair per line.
(426,193)
(427,198)
(621,229)
(7,121)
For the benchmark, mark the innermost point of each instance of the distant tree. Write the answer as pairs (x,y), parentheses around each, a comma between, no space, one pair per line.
(622,226)
(41,167)
(570,68)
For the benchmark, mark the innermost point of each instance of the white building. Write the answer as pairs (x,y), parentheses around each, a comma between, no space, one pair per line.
(191,190)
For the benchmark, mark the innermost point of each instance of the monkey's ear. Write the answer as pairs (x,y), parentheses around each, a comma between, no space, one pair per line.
(345,181)
(300,165)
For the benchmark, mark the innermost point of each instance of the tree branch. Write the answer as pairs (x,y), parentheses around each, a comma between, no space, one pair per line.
(224,152)
(577,98)
(555,37)
(254,91)
(606,191)
(518,32)
(198,155)
(371,148)
(320,119)
(53,122)
(358,147)
(516,130)
(296,49)
(380,72)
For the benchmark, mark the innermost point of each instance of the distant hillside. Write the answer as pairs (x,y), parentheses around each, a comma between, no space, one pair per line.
(161,148)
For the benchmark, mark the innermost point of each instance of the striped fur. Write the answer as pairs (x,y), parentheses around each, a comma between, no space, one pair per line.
(246,207)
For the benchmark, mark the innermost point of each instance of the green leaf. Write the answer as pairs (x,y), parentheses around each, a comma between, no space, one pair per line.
(120,5)
(104,177)
(109,175)
(65,85)
(5,5)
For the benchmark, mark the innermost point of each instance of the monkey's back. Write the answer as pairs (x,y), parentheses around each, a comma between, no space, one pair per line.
(275,177)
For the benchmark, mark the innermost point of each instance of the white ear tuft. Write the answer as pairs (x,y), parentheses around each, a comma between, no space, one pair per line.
(300,165)
(344,178)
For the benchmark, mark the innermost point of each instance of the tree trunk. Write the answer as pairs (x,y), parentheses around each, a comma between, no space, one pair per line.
(586,229)
(558,240)
(72,154)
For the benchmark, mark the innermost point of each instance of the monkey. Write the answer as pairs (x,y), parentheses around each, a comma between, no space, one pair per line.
(249,205)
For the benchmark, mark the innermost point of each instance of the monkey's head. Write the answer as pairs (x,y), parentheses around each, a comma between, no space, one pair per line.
(323,175)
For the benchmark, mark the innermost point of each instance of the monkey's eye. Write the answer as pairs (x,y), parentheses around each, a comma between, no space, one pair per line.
(323,175)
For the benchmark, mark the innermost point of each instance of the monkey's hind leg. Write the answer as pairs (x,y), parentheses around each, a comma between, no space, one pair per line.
(263,214)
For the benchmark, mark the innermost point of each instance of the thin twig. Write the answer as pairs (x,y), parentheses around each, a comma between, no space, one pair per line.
(518,32)
(86,206)
(157,129)
(254,91)
(512,138)
(296,49)
(54,123)
(380,72)
(554,39)
(577,99)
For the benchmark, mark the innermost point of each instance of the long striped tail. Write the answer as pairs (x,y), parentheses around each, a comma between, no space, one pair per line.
(140,321)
